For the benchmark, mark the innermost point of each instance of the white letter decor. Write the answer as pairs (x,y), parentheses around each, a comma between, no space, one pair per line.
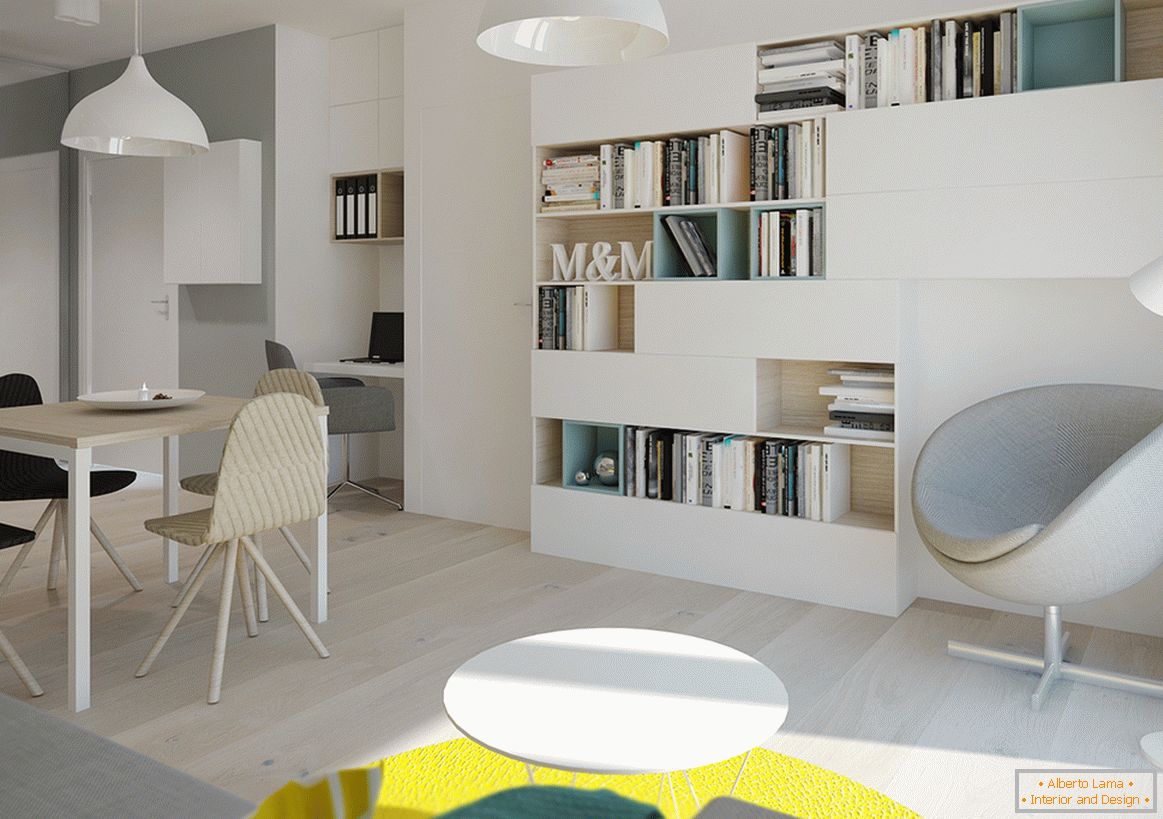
(603,264)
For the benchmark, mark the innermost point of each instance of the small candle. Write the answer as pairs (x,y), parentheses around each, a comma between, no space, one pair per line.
(143,393)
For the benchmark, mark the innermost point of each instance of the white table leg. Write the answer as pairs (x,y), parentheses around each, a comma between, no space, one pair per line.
(319,558)
(170,490)
(78,550)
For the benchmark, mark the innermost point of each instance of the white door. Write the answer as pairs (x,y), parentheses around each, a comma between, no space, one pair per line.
(30,269)
(132,316)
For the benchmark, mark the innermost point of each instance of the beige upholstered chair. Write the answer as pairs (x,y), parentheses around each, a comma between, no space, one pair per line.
(295,382)
(273,473)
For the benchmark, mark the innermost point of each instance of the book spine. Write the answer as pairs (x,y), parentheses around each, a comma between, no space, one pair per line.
(987,61)
(967,60)
(629,473)
(606,177)
(619,177)
(706,472)
(817,223)
(871,70)
(818,159)
(853,68)
(936,62)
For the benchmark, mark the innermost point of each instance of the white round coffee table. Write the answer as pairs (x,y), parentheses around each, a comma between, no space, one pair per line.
(616,701)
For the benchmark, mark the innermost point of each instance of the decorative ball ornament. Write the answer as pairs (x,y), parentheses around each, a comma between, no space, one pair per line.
(582,478)
(606,468)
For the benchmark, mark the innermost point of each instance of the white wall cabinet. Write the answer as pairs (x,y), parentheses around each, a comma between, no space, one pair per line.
(213,215)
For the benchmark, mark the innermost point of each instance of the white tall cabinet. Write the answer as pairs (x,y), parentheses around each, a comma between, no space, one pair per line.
(1055,184)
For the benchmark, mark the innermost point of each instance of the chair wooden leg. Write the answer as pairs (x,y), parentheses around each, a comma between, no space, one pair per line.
(225,596)
(122,567)
(9,653)
(246,593)
(260,583)
(187,598)
(58,546)
(22,555)
(193,573)
(293,542)
(281,593)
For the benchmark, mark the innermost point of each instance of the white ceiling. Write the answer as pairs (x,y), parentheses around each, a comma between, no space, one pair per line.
(31,37)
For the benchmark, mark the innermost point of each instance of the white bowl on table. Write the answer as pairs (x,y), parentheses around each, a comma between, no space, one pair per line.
(131,400)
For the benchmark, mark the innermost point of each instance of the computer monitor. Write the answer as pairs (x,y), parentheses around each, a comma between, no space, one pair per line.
(387,337)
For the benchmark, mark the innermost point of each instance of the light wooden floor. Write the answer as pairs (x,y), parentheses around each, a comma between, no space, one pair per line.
(413,597)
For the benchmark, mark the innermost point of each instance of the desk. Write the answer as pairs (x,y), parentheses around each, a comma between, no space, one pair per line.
(357,370)
(69,432)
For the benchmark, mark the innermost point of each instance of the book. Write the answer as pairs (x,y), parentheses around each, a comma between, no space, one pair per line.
(733,182)
(820,70)
(884,394)
(879,374)
(819,51)
(871,70)
(629,474)
(1005,53)
(859,434)
(572,161)
(862,406)
(835,481)
(936,58)
(987,61)
(854,72)
(967,74)
(606,177)
(950,87)
(834,83)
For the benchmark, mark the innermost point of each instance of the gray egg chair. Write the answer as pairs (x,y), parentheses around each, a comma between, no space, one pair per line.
(1047,496)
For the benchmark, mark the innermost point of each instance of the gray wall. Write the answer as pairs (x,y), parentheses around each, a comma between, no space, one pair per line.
(34,112)
(230,83)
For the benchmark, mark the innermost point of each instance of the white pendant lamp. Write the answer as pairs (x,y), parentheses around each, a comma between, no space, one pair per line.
(134,116)
(1147,285)
(572,32)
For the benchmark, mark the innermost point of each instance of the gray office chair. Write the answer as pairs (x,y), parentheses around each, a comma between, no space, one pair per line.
(354,408)
(1046,496)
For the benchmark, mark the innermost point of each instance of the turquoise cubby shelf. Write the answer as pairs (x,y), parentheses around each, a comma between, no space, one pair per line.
(726,233)
(753,242)
(1070,42)
(580,444)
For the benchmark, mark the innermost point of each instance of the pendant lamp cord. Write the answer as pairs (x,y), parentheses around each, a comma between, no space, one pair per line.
(137,27)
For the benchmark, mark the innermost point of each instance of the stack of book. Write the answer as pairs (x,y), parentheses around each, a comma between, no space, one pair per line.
(679,171)
(944,60)
(696,258)
(863,404)
(571,183)
(741,472)
(808,77)
(791,243)
(577,318)
(787,161)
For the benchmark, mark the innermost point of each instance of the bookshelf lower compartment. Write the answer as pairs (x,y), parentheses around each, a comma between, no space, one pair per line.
(851,566)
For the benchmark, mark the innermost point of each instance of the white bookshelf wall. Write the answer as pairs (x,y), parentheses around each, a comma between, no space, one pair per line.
(978,194)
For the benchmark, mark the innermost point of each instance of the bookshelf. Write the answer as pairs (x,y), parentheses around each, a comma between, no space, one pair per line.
(389,208)
(744,356)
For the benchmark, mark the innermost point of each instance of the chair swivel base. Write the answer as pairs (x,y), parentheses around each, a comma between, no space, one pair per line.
(367,490)
(1052,666)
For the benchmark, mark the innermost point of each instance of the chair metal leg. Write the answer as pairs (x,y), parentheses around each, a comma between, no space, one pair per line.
(281,593)
(58,546)
(22,555)
(122,567)
(187,598)
(345,453)
(225,597)
(8,652)
(1053,666)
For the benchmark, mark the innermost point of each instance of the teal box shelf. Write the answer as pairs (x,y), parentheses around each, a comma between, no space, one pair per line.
(726,234)
(1070,42)
(753,242)
(580,444)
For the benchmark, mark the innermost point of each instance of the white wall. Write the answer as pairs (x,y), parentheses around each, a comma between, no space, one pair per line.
(30,269)
(324,294)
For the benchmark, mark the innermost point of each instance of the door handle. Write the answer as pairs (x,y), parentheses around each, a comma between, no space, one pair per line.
(165,301)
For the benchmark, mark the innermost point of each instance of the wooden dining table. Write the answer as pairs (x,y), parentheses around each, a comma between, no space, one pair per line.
(69,432)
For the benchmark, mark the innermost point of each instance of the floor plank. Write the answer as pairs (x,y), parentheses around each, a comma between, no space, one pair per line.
(874,698)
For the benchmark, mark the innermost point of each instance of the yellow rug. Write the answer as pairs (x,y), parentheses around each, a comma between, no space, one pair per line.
(437,778)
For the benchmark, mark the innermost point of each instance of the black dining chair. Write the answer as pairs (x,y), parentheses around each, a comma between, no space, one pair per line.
(32,477)
(10,536)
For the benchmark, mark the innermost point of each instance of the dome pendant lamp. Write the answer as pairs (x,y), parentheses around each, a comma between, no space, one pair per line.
(572,32)
(134,116)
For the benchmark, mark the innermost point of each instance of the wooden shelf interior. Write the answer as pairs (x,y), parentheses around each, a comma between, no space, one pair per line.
(1070,42)
(547,451)
(633,227)
(788,393)
(752,238)
(389,207)
(581,445)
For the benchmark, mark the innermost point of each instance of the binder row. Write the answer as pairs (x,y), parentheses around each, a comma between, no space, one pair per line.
(356,202)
